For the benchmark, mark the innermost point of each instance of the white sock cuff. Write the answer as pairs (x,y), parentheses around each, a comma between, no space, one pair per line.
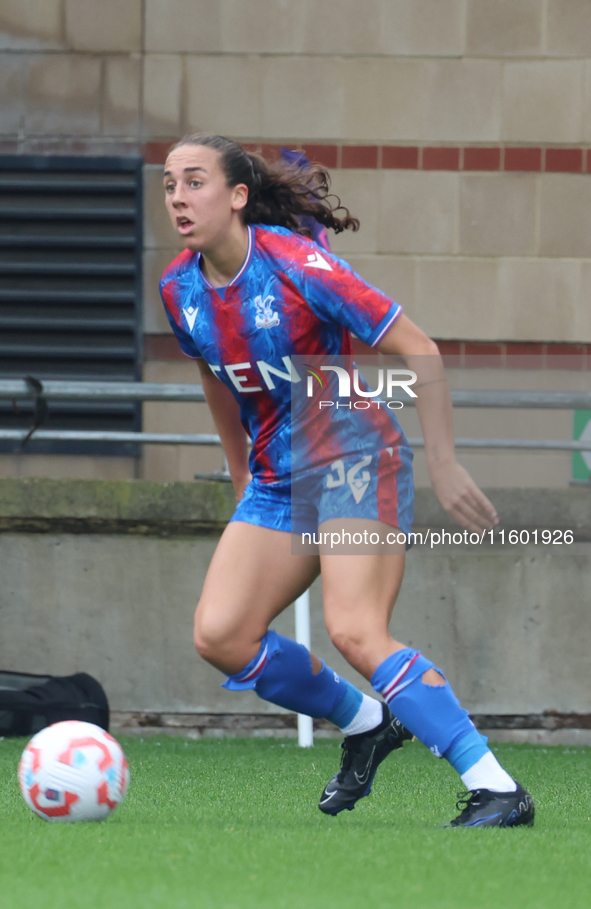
(487,773)
(367,717)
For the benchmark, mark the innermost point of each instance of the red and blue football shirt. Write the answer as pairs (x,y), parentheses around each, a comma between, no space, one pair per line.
(291,297)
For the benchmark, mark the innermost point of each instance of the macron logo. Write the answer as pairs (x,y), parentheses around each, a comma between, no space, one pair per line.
(191,315)
(315,260)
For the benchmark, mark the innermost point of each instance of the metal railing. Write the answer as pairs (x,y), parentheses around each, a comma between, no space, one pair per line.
(18,389)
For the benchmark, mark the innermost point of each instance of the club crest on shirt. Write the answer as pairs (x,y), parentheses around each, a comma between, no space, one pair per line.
(265,316)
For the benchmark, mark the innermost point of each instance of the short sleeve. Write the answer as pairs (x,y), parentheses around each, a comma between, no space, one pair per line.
(174,314)
(336,293)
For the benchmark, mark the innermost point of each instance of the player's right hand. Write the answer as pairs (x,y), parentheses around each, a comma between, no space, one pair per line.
(240,484)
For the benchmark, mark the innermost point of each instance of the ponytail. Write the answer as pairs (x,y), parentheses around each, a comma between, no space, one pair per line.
(278,194)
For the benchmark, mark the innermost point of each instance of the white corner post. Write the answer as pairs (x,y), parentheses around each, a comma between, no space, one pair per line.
(302,633)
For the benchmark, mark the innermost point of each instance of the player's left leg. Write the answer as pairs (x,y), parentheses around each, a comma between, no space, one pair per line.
(359,596)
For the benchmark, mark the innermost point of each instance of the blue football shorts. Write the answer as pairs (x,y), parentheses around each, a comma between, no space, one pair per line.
(376,487)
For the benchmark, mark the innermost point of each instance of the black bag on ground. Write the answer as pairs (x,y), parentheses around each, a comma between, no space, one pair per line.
(28,703)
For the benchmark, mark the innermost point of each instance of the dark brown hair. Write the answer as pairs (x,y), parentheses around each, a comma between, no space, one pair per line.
(279,193)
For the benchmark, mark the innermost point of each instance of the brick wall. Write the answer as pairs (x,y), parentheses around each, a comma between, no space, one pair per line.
(459,131)
(391,70)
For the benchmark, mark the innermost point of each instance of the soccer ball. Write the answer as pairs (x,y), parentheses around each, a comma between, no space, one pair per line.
(73,771)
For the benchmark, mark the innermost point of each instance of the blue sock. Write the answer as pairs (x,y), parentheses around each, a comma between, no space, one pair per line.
(467,751)
(431,712)
(281,673)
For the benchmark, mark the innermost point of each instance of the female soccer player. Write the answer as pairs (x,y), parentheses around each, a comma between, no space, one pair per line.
(248,295)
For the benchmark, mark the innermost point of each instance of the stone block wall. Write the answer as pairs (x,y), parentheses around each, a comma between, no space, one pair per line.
(459,131)
(104,578)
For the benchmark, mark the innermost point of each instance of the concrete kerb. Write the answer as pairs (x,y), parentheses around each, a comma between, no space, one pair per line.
(209,505)
(103,576)
(113,506)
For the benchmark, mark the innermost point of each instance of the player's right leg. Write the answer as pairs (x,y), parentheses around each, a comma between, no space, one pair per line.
(252,577)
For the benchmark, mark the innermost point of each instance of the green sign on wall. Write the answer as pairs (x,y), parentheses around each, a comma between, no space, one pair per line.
(582,459)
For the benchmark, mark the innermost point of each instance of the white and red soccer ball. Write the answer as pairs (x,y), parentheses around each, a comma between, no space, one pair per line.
(73,771)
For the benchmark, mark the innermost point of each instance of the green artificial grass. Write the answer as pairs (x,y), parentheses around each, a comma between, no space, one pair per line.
(234,824)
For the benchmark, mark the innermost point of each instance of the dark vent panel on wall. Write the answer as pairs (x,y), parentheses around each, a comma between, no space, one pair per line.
(70,287)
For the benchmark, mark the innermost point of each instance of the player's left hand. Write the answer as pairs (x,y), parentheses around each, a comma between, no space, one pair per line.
(462,499)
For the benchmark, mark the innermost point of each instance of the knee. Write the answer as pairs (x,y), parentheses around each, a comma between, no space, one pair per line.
(227,645)
(210,639)
(205,644)
(348,641)
(356,634)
